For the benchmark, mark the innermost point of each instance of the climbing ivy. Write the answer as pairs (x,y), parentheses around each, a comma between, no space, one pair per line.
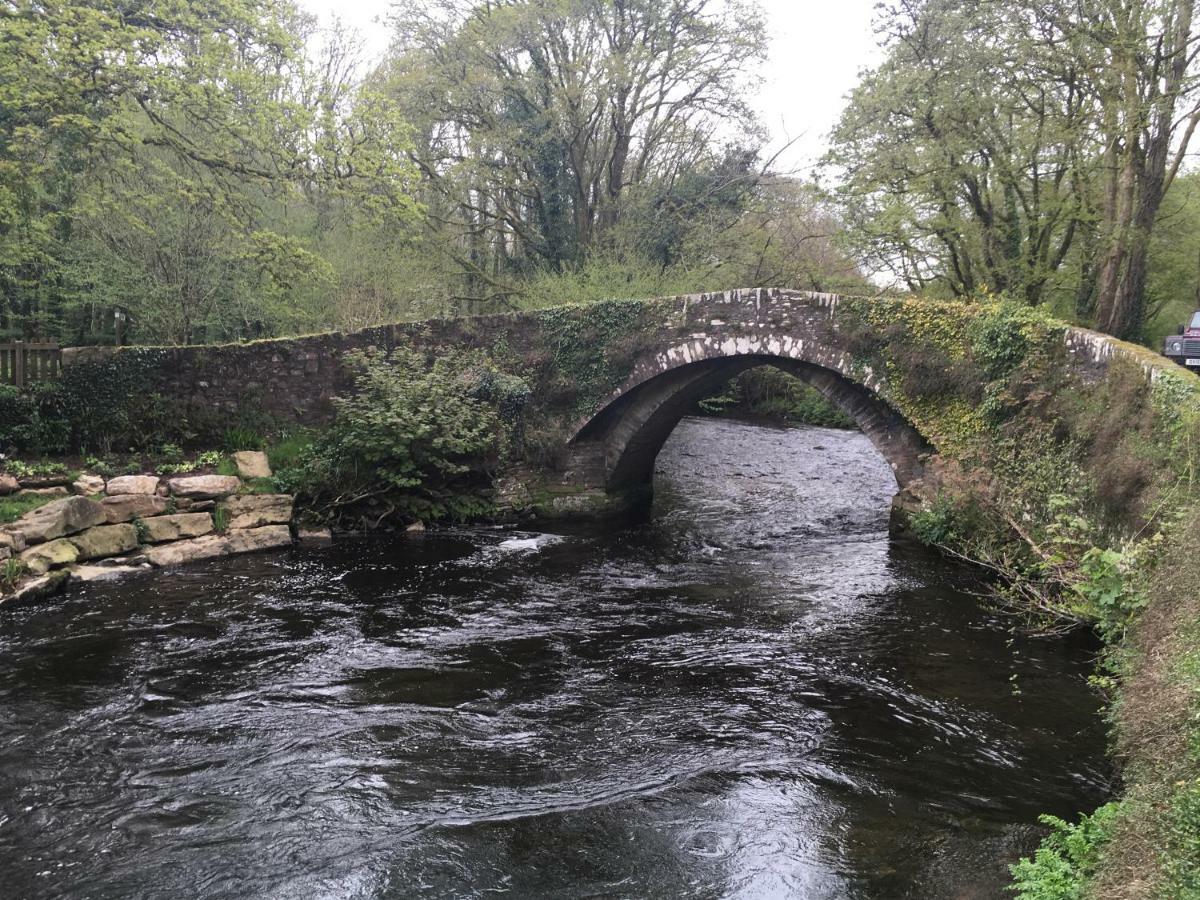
(594,348)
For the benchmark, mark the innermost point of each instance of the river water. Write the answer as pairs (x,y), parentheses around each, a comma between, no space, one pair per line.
(751,694)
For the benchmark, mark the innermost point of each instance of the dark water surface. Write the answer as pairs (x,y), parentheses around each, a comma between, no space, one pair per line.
(754,694)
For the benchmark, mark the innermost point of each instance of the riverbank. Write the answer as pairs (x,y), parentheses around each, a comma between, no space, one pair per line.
(80,527)
(1150,845)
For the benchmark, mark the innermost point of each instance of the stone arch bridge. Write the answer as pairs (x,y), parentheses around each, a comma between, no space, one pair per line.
(609,381)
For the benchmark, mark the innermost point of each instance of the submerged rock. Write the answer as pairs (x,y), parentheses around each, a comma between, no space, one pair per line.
(38,588)
(315,537)
(87,574)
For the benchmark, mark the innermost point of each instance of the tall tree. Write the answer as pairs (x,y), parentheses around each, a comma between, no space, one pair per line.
(1144,79)
(958,159)
(534,117)
(158,145)
(1022,147)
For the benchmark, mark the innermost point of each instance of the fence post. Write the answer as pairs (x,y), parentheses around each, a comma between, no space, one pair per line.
(19,363)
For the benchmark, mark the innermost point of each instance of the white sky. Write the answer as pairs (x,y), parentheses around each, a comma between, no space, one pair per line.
(817,49)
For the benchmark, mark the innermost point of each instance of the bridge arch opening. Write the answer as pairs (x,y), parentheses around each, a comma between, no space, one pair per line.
(617,447)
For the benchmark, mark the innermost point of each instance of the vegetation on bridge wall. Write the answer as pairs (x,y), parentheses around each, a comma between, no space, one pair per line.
(1058,470)
(1077,480)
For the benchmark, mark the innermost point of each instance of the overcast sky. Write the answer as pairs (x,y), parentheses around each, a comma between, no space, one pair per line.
(817,49)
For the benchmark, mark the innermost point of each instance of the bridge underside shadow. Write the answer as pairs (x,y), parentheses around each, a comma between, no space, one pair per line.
(617,448)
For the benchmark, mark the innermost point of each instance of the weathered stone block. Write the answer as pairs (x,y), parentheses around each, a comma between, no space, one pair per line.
(132,484)
(212,546)
(254,510)
(127,507)
(252,464)
(51,555)
(105,540)
(14,542)
(57,519)
(180,525)
(86,485)
(204,487)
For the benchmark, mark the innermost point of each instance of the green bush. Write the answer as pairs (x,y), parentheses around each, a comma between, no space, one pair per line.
(242,438)
(412,442)
(1066,859)
(937,524)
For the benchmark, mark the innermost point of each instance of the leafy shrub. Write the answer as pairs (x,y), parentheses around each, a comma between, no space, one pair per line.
(171,453)
(1066,859)
(1103,583)
(413,440)
(100,466)
(210,458)
(43,469)
(935,524)
(286,452)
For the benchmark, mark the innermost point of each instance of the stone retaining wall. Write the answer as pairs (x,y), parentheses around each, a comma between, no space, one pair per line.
(110,528)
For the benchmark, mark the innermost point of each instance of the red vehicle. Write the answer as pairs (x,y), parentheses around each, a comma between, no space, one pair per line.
(1184,347)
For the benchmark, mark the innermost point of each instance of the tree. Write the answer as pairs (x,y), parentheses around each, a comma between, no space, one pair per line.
(534,118)
(1023,147)
(960,158)
(172,149)
(1145,82)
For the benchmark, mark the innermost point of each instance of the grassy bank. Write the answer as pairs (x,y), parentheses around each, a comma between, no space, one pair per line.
(1146,843)
(1154,848)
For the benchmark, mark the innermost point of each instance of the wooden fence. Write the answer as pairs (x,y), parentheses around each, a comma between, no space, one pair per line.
(22,363)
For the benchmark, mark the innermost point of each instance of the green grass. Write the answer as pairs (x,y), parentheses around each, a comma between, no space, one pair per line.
(16,505)
(285,452)
(227,466)
(259,486)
